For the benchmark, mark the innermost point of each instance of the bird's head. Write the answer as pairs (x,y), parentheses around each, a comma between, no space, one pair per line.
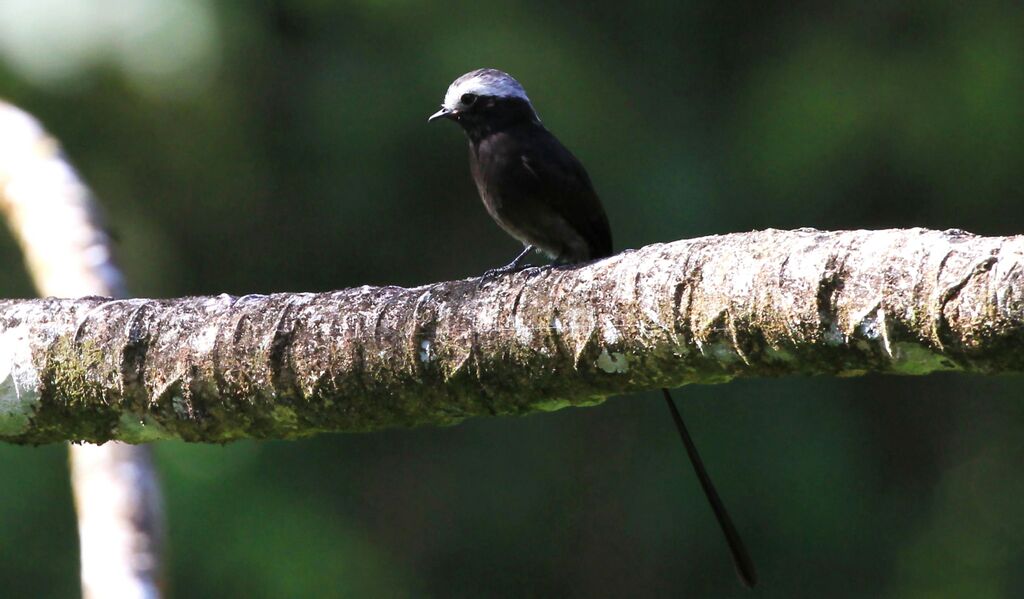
(485,98)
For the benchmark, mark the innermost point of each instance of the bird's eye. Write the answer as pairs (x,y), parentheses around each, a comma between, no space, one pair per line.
(468,99)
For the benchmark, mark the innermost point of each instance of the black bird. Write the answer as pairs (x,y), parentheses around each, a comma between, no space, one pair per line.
(530,183)
(539,193)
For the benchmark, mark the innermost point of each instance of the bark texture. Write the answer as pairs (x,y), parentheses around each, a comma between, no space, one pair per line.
(766,303)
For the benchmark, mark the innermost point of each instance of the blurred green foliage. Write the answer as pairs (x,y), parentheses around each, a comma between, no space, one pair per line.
(295,155)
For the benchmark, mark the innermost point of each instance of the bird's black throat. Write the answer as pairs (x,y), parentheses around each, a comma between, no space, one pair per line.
(490,115)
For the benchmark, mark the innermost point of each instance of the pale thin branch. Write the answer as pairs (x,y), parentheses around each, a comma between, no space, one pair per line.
(67,251)
(706,310)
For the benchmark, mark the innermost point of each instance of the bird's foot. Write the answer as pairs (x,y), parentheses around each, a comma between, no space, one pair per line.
(513,266)
(504,270)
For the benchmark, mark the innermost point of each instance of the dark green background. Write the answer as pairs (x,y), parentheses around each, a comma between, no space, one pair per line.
(307,164)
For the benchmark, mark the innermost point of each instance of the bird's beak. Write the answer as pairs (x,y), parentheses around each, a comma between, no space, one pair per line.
(446,113)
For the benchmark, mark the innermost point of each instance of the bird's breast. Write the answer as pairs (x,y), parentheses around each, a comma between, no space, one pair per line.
(520,193)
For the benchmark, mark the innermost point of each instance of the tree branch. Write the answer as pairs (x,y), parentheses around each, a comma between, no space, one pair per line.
(766,303)
(67,250)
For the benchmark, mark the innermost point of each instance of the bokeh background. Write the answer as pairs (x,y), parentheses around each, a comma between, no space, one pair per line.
(253,147)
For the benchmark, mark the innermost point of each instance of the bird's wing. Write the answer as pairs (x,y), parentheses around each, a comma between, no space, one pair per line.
(568,190)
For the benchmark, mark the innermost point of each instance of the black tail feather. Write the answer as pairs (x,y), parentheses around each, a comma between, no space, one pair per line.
(744,565)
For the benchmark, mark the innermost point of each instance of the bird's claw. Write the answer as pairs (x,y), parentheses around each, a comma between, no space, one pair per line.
(504,270)
(515,265)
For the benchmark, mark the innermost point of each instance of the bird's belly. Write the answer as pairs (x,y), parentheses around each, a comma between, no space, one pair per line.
(534,223)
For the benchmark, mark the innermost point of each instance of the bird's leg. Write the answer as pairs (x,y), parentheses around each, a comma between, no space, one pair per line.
(513,266)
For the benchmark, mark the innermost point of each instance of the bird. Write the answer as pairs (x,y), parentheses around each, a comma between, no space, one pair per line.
(540,194)
(530,184)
